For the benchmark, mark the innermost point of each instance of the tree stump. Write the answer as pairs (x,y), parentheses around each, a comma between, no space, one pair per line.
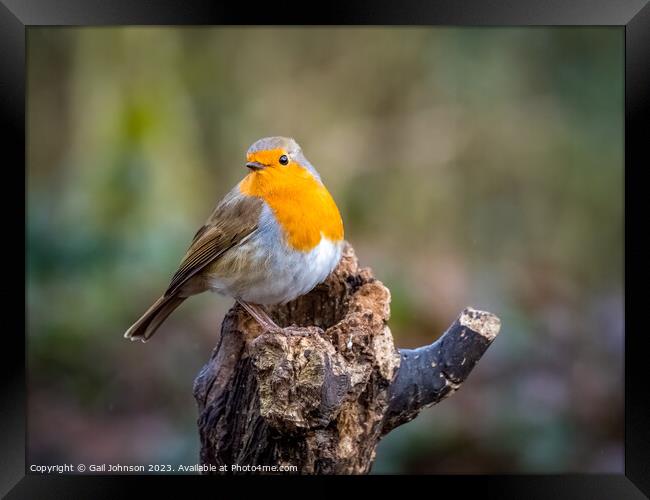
(321,394)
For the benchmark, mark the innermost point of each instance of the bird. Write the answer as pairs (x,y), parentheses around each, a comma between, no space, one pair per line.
(275,236)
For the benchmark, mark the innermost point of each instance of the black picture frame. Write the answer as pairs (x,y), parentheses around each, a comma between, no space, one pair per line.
(633,16)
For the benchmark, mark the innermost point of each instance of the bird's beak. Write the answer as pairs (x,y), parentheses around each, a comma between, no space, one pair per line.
(255,165)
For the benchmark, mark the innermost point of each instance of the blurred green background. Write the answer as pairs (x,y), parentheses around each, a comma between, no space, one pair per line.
(477,167)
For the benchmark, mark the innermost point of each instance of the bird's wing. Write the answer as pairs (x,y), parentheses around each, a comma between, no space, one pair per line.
(234,220)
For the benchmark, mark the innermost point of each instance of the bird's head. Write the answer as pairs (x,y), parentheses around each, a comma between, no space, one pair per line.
(277,154)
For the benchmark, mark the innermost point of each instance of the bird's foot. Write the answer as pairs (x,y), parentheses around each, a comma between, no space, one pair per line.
(268,325)
(295,331)
(261,316)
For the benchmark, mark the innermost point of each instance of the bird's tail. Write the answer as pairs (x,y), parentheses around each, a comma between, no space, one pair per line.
(147,325)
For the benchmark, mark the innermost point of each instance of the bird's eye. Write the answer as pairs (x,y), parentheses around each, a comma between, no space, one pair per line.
(284,159)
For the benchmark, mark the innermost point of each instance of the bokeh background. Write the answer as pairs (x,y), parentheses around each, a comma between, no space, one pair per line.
(477,167)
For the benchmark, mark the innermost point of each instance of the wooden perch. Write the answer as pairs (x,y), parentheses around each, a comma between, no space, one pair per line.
(320,394)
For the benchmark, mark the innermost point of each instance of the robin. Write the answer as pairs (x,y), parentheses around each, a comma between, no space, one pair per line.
(275,236)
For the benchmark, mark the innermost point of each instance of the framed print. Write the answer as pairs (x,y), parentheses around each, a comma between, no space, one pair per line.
(422,262)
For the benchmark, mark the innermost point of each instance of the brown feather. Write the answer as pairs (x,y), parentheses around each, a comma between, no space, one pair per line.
(147,325)
(234,220)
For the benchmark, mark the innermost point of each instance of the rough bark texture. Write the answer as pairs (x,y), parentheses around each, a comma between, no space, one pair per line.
(321,394)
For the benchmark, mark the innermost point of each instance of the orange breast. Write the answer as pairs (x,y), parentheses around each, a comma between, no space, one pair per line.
(302,205)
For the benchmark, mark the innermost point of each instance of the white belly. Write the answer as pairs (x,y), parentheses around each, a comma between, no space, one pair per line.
(265,270)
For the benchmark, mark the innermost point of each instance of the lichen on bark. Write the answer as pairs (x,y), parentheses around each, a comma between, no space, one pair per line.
(320,394)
